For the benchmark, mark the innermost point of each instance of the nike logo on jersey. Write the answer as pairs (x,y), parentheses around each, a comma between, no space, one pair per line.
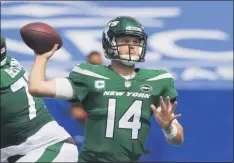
(132,94)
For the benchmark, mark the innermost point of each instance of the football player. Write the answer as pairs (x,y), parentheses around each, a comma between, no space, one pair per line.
(28,132)
(119,99)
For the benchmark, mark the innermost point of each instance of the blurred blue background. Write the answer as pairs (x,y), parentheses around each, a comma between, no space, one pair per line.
(192,40)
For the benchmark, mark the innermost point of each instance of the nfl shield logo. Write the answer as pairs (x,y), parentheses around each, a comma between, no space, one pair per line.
(127,83)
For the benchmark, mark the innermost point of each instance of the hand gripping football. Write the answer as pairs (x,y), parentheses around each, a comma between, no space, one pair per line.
(40,37)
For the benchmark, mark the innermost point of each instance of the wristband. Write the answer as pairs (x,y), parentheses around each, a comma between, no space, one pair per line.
(172,134)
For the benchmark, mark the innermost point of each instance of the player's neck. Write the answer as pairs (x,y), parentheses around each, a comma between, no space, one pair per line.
(122,69)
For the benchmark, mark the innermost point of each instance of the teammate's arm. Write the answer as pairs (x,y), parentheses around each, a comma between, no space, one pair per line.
(39,87)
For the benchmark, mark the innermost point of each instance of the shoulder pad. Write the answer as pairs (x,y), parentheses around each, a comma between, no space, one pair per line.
(157,74)
(88,70)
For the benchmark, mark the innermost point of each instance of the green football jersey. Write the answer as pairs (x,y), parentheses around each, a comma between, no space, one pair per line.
(21,114)
(119,113)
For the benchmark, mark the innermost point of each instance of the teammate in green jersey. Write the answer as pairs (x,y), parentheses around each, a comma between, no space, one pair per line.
(28,132)
(119,99)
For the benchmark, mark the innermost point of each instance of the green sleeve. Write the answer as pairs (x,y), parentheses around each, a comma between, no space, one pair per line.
(79,84)
(170,90)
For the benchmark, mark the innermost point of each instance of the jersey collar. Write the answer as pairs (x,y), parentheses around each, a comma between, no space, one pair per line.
(118,75)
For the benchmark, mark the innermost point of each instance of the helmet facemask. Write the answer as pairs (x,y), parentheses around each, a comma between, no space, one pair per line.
(112,49)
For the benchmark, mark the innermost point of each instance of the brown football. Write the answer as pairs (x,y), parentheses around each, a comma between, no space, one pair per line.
(40,37)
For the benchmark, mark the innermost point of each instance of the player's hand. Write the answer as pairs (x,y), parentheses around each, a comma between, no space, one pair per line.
(48,54)
(165,116)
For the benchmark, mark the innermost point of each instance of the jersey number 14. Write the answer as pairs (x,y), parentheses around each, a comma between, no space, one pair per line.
(133,111)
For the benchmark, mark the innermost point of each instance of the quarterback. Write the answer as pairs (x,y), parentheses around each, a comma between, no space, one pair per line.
(28,132)
(119,99)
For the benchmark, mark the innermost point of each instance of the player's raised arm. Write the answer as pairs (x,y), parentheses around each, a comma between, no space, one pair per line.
(38,86)
(44,40)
